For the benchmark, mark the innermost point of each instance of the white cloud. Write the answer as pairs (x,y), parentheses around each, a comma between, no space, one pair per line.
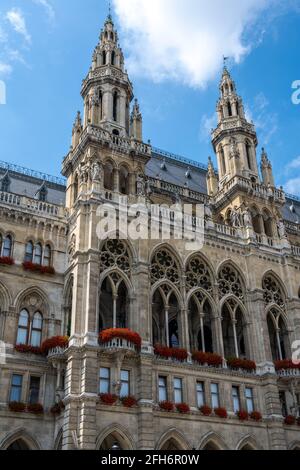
(48,8)
(207,124)
(5,69)
(292,186)
(294,164)
(185,40)
(16,19)
(266,121)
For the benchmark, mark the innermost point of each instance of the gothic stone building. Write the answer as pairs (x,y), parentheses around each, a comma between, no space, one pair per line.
(237,297)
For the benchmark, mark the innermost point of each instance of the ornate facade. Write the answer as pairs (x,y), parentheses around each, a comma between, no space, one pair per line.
(235,301)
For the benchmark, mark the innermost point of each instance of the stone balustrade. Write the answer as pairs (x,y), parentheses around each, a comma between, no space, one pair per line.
(289,373)
(255,189)
(119,344)
(56,354)
(32,205)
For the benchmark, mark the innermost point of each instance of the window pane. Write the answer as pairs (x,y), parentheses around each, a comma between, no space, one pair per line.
(236,399)
(36,337)
(125,387)
(22,336)
(29,251)
(23,319)
(162,390)
(16,388)
(34,390)
(178,396)
(38,254)
(215,395)
(249,399)
(7,247)
(104,380)
(47,256)
(200,394)
(37,321)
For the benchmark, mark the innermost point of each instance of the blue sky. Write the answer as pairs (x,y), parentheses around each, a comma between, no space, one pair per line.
(174,54)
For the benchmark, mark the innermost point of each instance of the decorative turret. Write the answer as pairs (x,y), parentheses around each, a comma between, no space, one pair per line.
(77,129)
(234,139)
(211,179)
(136,122)
(266,169)
(107,90)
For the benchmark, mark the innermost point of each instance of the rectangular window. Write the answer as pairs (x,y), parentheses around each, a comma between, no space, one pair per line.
(249,400)
(16,388)
(104,380)
(125,383)
(215,399)
(178,391)
(236,399)
(162,389)
(200,394)
(34,390)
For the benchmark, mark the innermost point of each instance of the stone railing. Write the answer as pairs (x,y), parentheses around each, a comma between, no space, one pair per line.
(32,205)
(56,354)
(296,250)
(289,373)
(120,344)
(233,123)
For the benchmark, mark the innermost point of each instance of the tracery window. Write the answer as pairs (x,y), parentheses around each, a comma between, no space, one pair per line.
(166,317)
(198,275)
(114,303)
(114,254)
(273,293)
(164,266)
(233,329)
(230,282)
(7,246)
(200,323)
(278,335)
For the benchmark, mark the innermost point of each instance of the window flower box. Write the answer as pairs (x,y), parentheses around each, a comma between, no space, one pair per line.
(221,413)
(17,407)
(290,420)
(209,359)
(27,349)
(183,408)
(256,416)
(206,410)
(7,260)
(286,364)
(166,406)
(108,399)
(171,353)
(107,336)
(243,364)
(53,343)
(36,409)
(129,402)
(243,415)
(38,268)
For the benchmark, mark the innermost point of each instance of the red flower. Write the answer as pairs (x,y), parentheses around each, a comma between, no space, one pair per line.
(108,398)
(7,260)
(175,353)
(286,364)
(36,409)
(55,342)
(290,420)
(243,415)
(17,407)
(166,405)
(123,333)
(256,416)
(236,363)
(29,266)
(207,358)
(206,410)
(183,408)
(221,412)
(129,402)
(27,349)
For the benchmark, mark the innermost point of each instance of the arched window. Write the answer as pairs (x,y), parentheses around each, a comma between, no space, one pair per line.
(115,106)
(103,58)
(108,177)
(75,189)
(113,58)
(36,330)
(164,266)
(38,254)
(100,105)
(230,282)
(198,275)
(23,328)
(256,220)
(229,109)
(47,256)
(278,335)
(7,247)
(222,161)
(114,303)
(273,292)
(29,252)
(200,323)
(166,325)
(268,223)
(248,155)
(124,181)
(233,329)
(5,184)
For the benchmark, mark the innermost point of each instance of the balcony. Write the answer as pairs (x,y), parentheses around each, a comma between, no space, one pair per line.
(119,344)
(34,206)
(57,354)
(120,340)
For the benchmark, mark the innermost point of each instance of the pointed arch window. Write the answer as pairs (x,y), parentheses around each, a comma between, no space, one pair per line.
(108,177)
(23,327)
(233,329)
(113,58)
(114,303)
(248,155)
(222,160)
(166,319)
(200,323)
(7,247)
(47,256)
(38,253)
(278,335)
(104,57)
(36,330)
(229,108)
(29,252)
(75,190)
(115,106)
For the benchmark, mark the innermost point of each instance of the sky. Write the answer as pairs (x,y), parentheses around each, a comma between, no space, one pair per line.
(174,55)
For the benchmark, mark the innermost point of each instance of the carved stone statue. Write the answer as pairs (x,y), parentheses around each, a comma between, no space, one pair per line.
(234,151)
(96,172)
(84,174)
(281,229)
(208,212)
(246,217)
(235,218)
(140,186)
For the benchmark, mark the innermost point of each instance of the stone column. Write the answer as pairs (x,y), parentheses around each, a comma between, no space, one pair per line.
(116,177)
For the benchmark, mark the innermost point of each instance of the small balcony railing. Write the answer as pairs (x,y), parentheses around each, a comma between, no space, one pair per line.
(119,344)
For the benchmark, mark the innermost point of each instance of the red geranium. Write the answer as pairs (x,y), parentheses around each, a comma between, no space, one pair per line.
(27,349)
(210,359)
(183,408)
(108,398)
(290,420)
(36,409)
(236,363)
(256,416)
(166,405)
(7,260)
(38,268)
(129,402)
(286,364)
(55,342)
(243,415)
(123,333)
(206,410)
(221,412)
(17,407)
(174,353)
